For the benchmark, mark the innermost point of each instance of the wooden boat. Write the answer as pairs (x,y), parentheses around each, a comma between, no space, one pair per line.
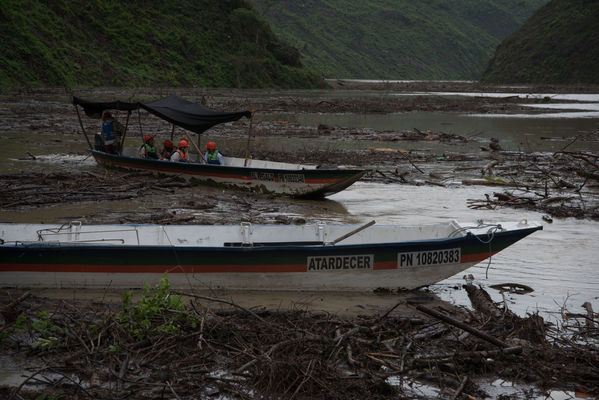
(297,180)
(261,257)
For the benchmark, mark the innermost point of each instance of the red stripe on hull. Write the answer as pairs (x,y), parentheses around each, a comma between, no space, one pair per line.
(477,257)
(323,180)
(385,265)
(140,269)
(198,269)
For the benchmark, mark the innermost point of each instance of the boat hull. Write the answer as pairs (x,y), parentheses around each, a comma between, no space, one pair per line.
(395,265)
(305,183)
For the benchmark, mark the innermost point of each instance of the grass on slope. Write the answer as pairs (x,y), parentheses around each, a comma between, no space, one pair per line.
(150,43)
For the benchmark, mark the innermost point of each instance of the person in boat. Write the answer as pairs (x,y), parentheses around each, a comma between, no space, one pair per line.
(180,155)
(112,131)
(213,156)
(167,150)
(148,150)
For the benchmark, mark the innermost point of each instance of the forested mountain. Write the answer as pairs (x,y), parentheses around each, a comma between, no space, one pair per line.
(222,43)
(558,44)
(396,39)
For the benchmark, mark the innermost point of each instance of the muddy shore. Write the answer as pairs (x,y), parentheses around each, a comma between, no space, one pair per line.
(173,344)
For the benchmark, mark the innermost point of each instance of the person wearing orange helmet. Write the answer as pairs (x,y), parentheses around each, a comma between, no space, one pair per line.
(167,150)
(148,150)
(180,155)
(213,156)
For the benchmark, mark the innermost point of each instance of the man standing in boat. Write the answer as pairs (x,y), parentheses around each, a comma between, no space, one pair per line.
(112,131)
(213,156)
(148,150)
(180,154)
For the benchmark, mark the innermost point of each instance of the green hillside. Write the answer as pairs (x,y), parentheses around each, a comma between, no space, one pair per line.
(558,44)
(204,43)
(397,39)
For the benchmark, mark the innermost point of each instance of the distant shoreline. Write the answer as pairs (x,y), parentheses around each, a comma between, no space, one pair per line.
(444,85)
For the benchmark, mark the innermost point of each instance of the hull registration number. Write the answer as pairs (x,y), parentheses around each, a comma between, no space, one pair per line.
(430,257)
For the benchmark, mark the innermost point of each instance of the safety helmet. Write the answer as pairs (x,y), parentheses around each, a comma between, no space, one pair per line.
(211,146)
(183,143)
(147,138)
(106,114)
(167,144)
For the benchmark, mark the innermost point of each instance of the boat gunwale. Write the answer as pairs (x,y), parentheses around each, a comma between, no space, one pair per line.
(444,241)
(190,165)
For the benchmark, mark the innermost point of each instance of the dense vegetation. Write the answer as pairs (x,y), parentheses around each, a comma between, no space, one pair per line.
(221,43)
(559,44)
(397,39)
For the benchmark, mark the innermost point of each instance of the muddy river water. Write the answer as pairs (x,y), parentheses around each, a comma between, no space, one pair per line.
(559,263)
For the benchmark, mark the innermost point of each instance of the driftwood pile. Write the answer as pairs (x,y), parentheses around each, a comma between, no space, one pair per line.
(163,347)
(36,189)
(565,184)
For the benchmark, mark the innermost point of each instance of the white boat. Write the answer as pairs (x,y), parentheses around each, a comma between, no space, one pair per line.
(261,257)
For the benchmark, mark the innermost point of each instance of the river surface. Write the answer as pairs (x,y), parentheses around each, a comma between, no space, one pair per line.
(559,262)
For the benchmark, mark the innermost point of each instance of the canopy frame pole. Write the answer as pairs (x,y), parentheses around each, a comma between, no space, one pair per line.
(82,128)
(195,145)
(141,132)
(247,147)
(173,132)
(125,133)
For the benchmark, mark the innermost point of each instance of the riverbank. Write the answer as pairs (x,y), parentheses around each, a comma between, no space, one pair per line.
(190,345)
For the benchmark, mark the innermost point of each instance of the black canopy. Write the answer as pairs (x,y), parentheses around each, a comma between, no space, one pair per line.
(174,109)
(93,109)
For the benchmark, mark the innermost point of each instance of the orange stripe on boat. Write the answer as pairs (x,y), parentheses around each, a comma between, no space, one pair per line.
(324,180)
(385,265)
(476,257)
(139,269)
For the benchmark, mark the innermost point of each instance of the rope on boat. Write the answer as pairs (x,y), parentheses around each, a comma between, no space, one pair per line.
(490,234)
(173,247)
(40,233)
